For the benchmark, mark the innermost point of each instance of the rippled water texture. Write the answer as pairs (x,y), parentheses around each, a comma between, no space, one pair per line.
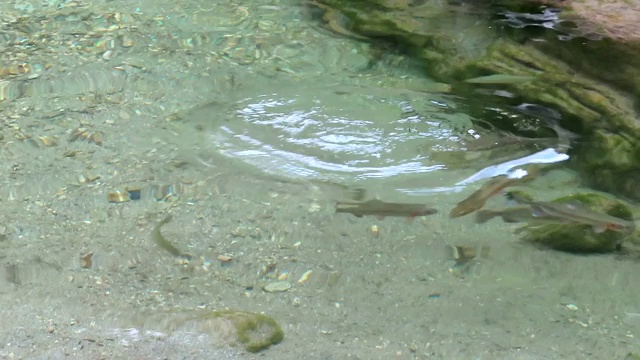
(330,134)
(137,130)
(351,135)
(297,102)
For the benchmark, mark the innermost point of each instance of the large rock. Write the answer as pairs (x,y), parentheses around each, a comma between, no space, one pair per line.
(590,82)
(614,19)
(253,331)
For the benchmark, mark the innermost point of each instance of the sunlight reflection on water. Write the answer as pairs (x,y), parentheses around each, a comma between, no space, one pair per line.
(330,136)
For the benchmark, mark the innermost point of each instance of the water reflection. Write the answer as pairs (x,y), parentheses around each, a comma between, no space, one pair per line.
(415,146)
(549,18)
(510,168)
(326,135)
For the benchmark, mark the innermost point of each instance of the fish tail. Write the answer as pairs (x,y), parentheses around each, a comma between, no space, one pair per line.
(482,216)
(565,137)
(559,130)
(517,197)
(342,206)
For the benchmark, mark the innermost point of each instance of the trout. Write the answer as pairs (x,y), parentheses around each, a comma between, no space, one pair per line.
(381,209)
(577,212)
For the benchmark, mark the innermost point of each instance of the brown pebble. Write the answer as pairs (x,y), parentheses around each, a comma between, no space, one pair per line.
(86,261)
(118,197)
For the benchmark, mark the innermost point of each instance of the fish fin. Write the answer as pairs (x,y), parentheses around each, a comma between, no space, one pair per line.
(509,220)
(510,202)
(415,214)
(521,229)
(599,229)
(463,209)
(536,211)
(482,216)
(517,197)
(621,228)
(615,227)
(575,204)
(454,213)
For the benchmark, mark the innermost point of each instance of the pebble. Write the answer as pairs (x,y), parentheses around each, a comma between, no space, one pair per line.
(277,286)
(303,279)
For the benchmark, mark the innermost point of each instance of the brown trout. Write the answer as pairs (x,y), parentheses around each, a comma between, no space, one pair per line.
(491,188)
(381,209)
(521,214)
(577,212)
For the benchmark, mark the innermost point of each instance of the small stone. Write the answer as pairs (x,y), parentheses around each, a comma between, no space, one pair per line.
(571,307)
(303,279)
(127,42)
(239,232)
(314,207)
(277,286)
(86,261)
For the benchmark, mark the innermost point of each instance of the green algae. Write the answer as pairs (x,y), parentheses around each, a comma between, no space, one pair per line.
(163,242)
(573,77)
(256,332)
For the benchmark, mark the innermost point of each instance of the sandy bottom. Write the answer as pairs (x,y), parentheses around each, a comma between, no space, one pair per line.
(355,293)
(385,295)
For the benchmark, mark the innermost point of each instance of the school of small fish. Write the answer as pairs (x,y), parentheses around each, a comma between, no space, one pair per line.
(528,211)
(532,213)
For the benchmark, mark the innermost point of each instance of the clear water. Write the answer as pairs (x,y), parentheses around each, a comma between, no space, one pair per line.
(248,119)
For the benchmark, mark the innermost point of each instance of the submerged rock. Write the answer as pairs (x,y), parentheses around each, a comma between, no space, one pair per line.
(616,19)
(593,84)
(255,332)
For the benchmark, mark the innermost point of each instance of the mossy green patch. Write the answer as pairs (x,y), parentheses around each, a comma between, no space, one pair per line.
(572,77)
(256,332)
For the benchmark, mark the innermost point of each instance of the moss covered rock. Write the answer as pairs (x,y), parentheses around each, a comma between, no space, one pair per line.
(591,84)
(255,332)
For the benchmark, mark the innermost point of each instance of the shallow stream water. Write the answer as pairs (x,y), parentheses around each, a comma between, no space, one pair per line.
(247,121)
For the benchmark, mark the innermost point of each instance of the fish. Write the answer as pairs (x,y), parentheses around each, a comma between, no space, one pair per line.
(500,79)
(381,209)
(491,188)
(504,139)
(521,214)
(565,137)
(162,242)
(477,200)
(577,212)
(551,117)
(511,215)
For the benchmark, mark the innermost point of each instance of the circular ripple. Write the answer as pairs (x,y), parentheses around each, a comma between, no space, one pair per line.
(330,134)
